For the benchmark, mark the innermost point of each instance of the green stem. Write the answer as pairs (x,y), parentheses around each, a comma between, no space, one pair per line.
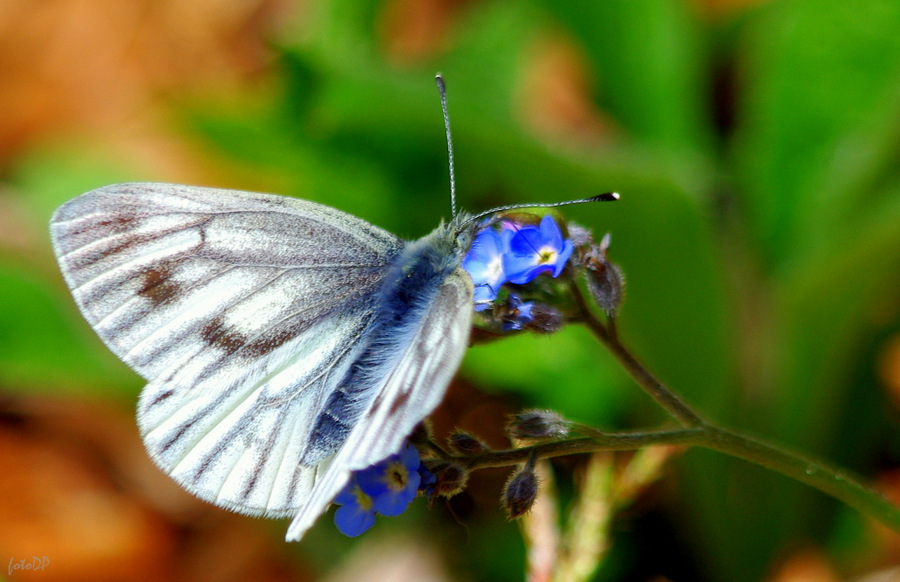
(663,396)
(597,441)
(830,479)
(695,431)
(837,482)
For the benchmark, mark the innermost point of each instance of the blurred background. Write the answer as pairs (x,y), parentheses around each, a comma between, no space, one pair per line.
(755,144)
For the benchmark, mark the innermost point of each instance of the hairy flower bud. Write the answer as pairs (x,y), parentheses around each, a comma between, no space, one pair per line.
(545,319)
(538,424)
(605,280)
(520,492)
(422,435)
(465,443)
(579,235)
(450,477)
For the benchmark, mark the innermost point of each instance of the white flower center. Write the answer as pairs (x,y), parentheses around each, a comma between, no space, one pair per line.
(495,269)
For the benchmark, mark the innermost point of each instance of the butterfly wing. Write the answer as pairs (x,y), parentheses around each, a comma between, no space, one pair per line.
(242,310)
(419,367)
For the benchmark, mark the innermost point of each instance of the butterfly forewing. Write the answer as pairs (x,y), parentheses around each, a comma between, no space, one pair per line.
(140,258)
(243,311)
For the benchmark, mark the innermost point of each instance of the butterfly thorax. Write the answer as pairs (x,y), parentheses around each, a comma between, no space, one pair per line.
(409,291)
(423,265)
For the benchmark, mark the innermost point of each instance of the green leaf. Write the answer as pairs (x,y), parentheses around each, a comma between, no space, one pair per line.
(653,73)
(821,90)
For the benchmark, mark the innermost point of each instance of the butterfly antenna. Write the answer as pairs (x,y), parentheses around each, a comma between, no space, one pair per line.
(442,89)
(606,197)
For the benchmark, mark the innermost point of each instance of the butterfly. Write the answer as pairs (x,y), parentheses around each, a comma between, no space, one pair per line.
(285,344)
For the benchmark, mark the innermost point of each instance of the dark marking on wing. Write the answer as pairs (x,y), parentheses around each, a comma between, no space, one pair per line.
(162,396)
(157,286)
(176,436)
(115,224)
(126,240)
(265,453)
(217,334)
(398,403)
(99,228)
(214,456)
(265,344)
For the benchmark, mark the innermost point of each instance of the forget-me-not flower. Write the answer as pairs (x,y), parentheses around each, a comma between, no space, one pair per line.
(534,250)
(393,482)
(356,513)
(484,264)
(518,313)
(386,488)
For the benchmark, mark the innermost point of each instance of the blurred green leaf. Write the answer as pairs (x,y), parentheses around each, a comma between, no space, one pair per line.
(817,126)
(819,76)
(563,371)
(45,346)
(652,67)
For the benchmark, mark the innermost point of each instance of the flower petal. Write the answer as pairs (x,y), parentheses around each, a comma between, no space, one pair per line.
(550,232)
(563,257)
(394,503)
(535,250)
(351,520)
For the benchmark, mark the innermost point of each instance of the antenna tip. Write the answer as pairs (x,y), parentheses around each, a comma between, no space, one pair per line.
(439,79)
(608,197)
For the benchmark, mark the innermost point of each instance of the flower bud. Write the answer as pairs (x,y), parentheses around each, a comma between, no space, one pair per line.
(514,314)
(451,478)
(545,319)
(520,492)
(422,435)
(465,443)
(579,235)
(605,280)
(538,424)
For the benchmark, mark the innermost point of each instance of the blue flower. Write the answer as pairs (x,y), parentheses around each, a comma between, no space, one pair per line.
(392,483)
(428,482)
(534,250)
(484,263)
(507,252)
(518,313)
(385,488)
(356,513)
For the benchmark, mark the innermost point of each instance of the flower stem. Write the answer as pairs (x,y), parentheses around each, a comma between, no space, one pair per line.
(597,441)
(834,481)
(694,430)
(830,479)
(659,391)
(839,483)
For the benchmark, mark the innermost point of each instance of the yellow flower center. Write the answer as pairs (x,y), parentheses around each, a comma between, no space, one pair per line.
(362,500)
(396,476)
(547,255)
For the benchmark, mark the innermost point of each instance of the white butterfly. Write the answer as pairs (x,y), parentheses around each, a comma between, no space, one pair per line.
(285,344)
